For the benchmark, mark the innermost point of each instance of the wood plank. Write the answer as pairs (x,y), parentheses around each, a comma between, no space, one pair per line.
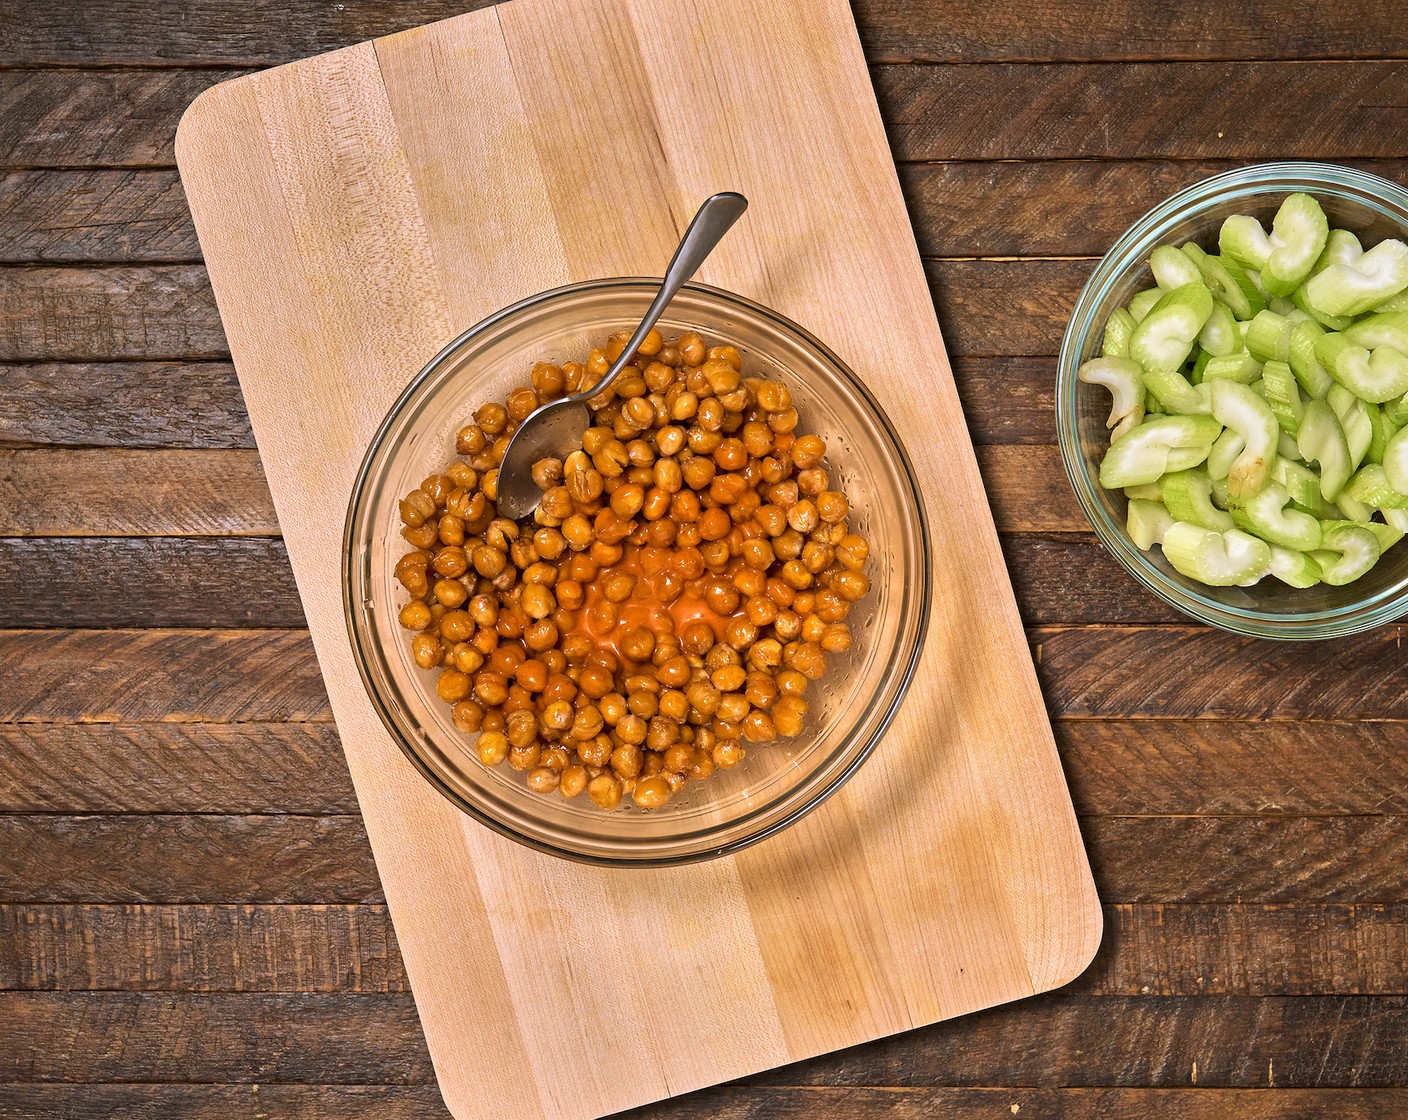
(727,1102)
(1063,578)
(959,209)
(94,118)
(199,949)
(1173,767)
(173,768)
(119,492)
(162,312)
(221,1102)
(126,404)
(164,858)
(167,312)
(1009,400)
(126,676)
(147,581)
(1023,209)
(57,216)
(1352,1041)
(1207,766)
(156,857)
(1181,672)
(1155,110)
(1159,949)
(147,32)
(1148,110)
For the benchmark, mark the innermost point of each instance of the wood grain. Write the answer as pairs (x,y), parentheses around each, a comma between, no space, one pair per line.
(1237,1041)
(1116,768)
(122,404)
(286,859)
(1159,949)
(1158,110)
(1134,673)
(145,32)
(125,676)
(728,1102)
(54,216)
(72,119)
(173,768)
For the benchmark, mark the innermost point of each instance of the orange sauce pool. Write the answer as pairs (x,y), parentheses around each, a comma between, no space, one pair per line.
(662,601)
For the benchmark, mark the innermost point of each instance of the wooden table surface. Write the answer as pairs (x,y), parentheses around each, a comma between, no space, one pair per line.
(190,921)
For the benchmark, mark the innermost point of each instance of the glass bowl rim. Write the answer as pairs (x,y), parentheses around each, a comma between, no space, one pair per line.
(908,646)
(1136,242)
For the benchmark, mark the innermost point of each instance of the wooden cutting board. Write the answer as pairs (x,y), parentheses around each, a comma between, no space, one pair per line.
(359,209)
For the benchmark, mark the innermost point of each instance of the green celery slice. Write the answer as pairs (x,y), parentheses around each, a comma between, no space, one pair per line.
(1165,335)
(1341,247)
(1144,453)
(1321,440)
(1370,485)
(1294,568)
(1147,523)
(1329,322)
(1397,411)
(1142,302)
(1299,233)
(1243,411)
(1346,552)
(1269,336)
(1268,515)
(1314,378)
(1351,288)
(1118,328)
(1396,519)
(1124,378)
(1176,393)
(1396,461)
(1376,375)
(1282,393)
(1244,239)
(1395,303)
(1303,486)
(1223,454)
(1219,336)
(1172,269)
(1353,415)
(1149,491)
(1228,559)
(1389,328)
(1188,497)
(1382,429)
(1286,447)
(1350,510)
(1234,367)
(1228,281)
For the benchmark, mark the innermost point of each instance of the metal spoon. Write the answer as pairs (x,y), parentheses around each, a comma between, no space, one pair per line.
(554,430)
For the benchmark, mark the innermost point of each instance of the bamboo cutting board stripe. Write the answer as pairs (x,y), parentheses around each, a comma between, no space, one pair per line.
(357,210)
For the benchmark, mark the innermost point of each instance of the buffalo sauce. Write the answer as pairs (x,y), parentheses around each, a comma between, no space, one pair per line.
(662,601)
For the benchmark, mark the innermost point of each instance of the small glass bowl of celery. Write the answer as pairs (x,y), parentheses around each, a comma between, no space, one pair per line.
(1232,400)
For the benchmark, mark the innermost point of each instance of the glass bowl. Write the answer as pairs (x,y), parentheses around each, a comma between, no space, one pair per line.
(850,707)
(1371,207)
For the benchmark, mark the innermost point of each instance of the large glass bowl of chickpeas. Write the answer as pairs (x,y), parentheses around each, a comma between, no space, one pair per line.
(711,618)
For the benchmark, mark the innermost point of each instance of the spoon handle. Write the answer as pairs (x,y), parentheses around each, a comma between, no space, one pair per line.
(710,223)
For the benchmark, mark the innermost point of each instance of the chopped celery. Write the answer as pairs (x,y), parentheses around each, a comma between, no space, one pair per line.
(1188,497)
(1145,453)
(1143,301)
(1286,447)
(1397,411)
(1389,328)
(1118,328)
(1234,367)
(1149,491)
(1284,259)
(1172,269)
(1228,281)
(1176,393)
(1396,461)
(1383,428)
(1370,485)
(1223,454)
(1147,523)
(1313,377)
(1228,559)
(1395,303)
(1346,552)
(1331,322)
(1303,486)
(1219,336)
(1374,375)
(1396,519)
(1123,378)
(1269,336)
(1353,416)
(1321,441)
(1294,568)
(1353,287)
(1165,335)
(1278,386)
(1246,413)
(1267,515)
(1350,510)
